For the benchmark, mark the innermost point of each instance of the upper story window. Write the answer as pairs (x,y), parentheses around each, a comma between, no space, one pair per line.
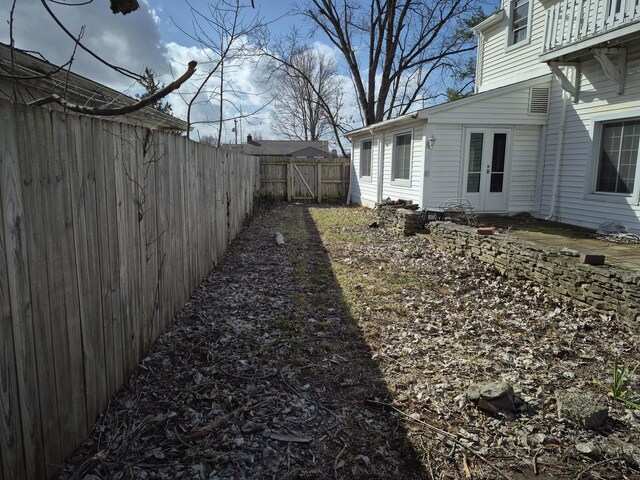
(365,158)
(402,157)
(618,157)
(519,25)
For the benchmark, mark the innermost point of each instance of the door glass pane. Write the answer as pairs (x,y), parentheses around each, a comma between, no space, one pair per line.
(475,162)
(497,162)
(496,182)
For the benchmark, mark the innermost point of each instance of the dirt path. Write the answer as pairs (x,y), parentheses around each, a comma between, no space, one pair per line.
(262,375)
(335,356)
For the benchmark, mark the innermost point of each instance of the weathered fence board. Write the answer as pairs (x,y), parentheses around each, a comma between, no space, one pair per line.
(300,179)
(32,176)
(105,231)
(12,454)
(19,299)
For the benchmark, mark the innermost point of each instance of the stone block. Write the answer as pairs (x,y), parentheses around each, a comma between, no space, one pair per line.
(488,395)
(592,259)
(587,410)
(486,230)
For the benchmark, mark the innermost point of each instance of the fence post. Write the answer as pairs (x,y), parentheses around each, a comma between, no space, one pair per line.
(289,179)
(319,179)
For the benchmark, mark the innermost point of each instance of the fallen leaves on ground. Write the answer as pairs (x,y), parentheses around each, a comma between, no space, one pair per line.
(345,353)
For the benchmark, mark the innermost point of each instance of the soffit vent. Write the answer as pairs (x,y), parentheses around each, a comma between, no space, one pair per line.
(538,100)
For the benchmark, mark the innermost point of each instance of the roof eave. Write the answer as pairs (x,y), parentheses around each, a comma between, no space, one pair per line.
(488,22)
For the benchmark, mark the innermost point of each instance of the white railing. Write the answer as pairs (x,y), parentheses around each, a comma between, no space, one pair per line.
(572,21)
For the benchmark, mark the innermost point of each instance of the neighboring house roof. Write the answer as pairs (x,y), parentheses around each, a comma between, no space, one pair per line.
(44,79)
(312,152)
(295,148)
(425,113)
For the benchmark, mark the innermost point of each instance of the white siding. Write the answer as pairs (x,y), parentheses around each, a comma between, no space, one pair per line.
(364,190)
(501,65)
(598,96)
(524,169)
(445,166)
(395,190)
(502,109)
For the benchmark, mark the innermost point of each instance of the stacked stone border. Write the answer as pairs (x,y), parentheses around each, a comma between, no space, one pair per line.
(400,220)
(610,290)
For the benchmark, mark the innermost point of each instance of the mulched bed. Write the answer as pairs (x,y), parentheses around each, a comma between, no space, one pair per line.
(350,358)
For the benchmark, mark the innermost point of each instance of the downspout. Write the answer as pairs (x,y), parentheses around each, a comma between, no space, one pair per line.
(352,171)
(380,165)
(556,174)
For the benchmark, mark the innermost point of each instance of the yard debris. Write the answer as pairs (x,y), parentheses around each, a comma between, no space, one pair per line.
(587,410)
(279,238)
(347,355)
(491,396)
(616,232)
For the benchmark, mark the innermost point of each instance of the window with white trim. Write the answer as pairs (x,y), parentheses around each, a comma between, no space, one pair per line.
(365,158)
(402,156)
(519,21)
(617,170)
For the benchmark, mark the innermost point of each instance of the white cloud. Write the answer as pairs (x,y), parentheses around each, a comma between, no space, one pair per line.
(132,41)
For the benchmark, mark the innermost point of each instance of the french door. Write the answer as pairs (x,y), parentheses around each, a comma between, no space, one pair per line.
(486,168)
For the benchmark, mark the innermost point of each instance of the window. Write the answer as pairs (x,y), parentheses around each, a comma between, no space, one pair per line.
(618,157)
(402,157)
(365,158)
(519,28)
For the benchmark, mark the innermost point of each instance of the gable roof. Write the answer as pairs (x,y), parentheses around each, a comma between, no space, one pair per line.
(283,147)
(44,79)
(425,113)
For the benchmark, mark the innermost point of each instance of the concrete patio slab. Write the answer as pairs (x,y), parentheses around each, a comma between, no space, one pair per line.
(557,235)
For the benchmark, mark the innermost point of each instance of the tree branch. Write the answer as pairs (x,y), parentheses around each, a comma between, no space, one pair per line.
(105,112)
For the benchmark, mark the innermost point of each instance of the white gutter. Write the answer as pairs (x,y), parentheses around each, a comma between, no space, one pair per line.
(490,21)
(352,171)
(384,124)
(379,186)
(556,174)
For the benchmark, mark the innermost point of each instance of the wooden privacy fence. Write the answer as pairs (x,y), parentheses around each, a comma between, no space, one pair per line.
(304,179)
(105,231)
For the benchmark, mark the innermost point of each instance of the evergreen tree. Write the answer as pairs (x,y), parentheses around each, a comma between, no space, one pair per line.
(152,86)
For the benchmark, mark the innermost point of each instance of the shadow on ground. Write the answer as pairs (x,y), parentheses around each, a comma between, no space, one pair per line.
(263,374)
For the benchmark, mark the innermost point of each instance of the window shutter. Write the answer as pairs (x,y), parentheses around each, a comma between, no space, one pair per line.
(538,100)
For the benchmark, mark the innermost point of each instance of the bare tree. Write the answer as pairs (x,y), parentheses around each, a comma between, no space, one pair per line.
(318,89)
(393,47)
(298,112)
(222,32)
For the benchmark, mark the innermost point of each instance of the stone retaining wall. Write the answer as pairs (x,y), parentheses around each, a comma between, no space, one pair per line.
(400,220)
(610,290)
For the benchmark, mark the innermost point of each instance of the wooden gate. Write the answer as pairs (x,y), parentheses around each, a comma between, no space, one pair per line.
(304,179)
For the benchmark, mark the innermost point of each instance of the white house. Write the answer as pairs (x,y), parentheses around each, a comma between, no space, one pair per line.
(553,128)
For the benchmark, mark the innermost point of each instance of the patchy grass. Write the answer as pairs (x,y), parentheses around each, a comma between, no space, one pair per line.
(437,323)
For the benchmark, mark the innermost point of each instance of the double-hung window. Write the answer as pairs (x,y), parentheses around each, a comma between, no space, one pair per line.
(365,158)
(402,157)
(519,25)
(617,171)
